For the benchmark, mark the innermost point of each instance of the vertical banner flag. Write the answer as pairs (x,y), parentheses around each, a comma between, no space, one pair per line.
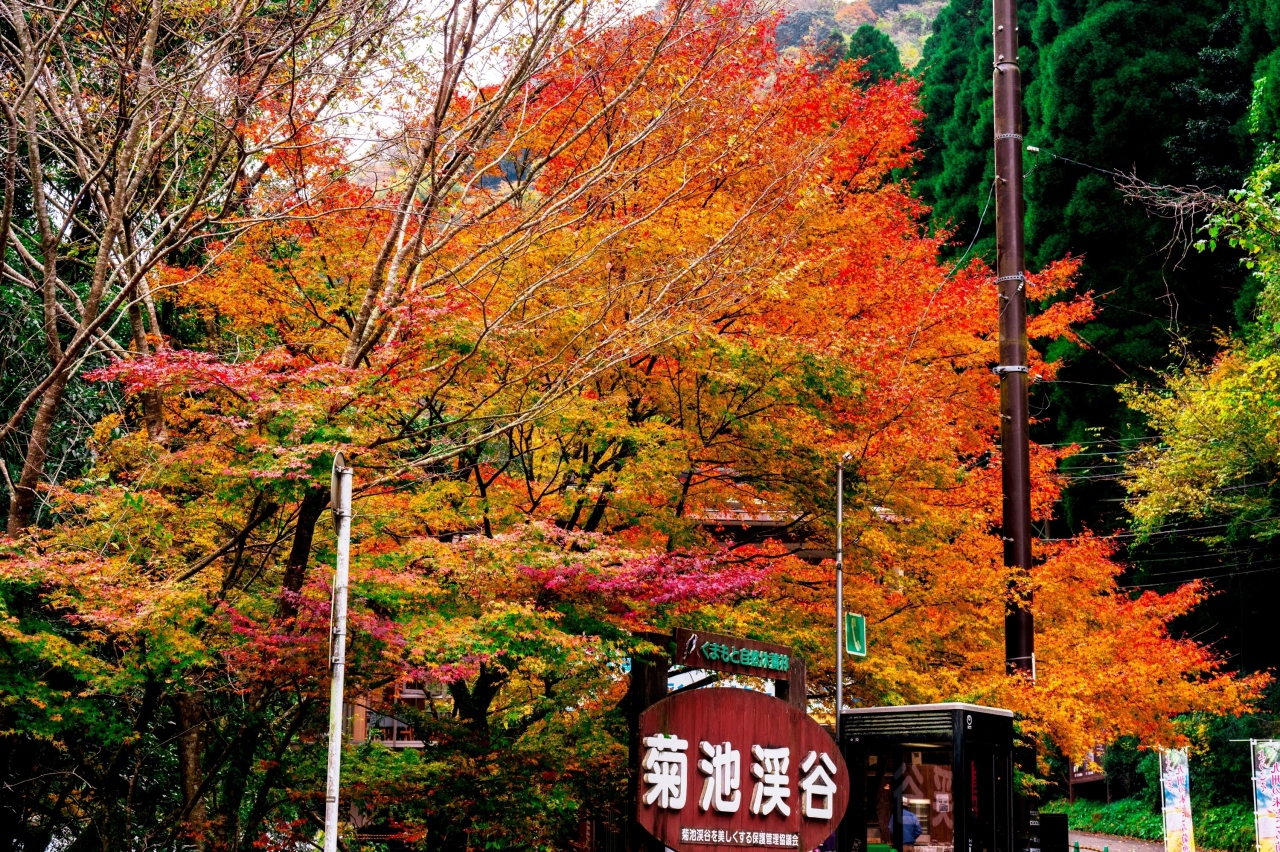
(1175,785)
(1266,791)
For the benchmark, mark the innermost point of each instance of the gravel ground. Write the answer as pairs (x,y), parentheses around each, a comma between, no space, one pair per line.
(1096,843)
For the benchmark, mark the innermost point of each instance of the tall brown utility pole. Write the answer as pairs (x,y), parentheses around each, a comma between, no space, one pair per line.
(1019,639)
(1015,474)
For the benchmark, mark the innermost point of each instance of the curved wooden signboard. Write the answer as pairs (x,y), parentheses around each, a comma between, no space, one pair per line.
(737,768)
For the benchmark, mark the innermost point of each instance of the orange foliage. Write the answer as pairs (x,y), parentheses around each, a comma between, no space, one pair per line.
(685,284)
(850,16)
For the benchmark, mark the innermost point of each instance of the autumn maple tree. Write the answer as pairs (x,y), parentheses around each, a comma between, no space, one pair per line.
(581,327)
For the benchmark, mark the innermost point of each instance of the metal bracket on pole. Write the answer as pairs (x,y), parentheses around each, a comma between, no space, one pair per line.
(1032,658)
(1002,369)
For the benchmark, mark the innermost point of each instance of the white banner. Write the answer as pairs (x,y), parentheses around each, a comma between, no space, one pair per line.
(1175,785)
(1266,791)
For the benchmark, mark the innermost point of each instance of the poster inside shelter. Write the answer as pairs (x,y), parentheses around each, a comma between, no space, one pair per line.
(1175,785)
(1266,792)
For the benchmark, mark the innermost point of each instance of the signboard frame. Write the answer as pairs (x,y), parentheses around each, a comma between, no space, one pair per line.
(735,768)
(720,652)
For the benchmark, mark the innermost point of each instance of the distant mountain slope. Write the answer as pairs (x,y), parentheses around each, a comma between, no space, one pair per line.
(908,24)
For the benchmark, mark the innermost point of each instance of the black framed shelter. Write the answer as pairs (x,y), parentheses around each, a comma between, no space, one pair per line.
(928,778)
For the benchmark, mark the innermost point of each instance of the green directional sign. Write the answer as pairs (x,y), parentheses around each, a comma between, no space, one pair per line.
(855,634)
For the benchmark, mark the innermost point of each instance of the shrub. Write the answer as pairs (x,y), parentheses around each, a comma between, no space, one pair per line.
(1225,827)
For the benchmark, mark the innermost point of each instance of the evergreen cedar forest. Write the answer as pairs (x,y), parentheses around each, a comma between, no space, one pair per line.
(589,293)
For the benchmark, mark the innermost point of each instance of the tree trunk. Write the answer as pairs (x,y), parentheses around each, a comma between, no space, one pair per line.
(295,572)
(253,826)
(152,400)
(190,711)
(473,704)
(22,502)
(237,775)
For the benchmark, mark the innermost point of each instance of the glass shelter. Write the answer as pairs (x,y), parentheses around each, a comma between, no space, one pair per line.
(928,778)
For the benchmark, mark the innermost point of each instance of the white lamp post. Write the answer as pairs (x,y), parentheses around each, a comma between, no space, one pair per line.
(340,502)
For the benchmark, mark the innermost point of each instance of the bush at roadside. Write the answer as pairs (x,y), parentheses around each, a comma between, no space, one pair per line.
(1226,827)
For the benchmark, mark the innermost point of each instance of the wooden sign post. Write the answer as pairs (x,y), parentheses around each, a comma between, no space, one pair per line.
(717,652)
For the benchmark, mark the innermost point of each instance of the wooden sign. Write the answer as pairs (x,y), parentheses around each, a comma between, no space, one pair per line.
(735,655)
(737,768)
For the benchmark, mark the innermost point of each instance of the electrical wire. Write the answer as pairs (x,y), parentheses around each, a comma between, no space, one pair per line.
(954,269)
(1113,386)
(1147,560)
(1167,531)
(1228,576)
(1101,441)
(1204,572)
(1102,453)
(1111,172)
(1207,572)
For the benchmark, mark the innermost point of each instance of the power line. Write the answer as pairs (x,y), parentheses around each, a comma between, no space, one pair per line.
(1139,561)
(1103,453)
(954,269)
(1100,441)
(1112,172)
(1210,568)
(1227,576)
(1099,477)
(1114,385)
(1167,530)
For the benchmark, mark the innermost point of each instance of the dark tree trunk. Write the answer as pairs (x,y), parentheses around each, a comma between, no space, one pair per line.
(152,400)
(295,572)
(189,708)
(473,704)
(239,769)
(22,502)
(253,824)
(114,793)
(597,511)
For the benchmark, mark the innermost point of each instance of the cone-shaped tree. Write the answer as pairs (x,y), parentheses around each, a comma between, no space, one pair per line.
(881,56)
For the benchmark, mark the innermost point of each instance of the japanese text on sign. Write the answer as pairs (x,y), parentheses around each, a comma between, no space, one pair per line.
(666,776)
(667,771)
(724,837)
(735,769)
(745,656)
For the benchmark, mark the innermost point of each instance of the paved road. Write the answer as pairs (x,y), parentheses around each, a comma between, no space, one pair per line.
(1097,842)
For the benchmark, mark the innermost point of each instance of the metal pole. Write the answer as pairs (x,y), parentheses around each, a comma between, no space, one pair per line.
(839,591)
(1019,634)
(340,497)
